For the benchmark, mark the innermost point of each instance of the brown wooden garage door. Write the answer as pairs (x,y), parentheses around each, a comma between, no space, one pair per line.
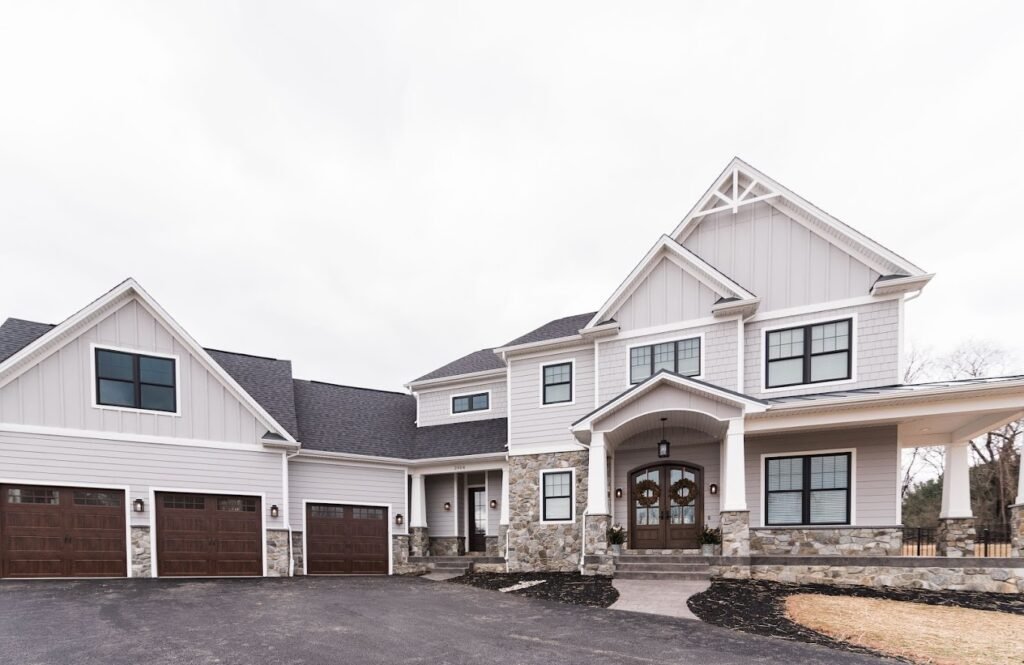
(199,535)
(346,540)
(62,532)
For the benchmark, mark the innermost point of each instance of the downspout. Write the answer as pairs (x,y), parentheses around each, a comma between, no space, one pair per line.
(287,509)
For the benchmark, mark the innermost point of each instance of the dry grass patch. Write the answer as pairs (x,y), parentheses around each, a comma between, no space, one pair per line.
(930,634)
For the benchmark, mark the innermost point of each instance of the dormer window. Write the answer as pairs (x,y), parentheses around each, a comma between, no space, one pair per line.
(470,403)
(135,381)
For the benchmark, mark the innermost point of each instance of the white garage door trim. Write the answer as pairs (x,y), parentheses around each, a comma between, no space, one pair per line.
(305,528)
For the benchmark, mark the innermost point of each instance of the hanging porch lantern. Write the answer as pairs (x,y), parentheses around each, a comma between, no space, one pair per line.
(663,444)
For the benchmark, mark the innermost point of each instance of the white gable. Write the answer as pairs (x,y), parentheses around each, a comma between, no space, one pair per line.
(666,295)
(51,382)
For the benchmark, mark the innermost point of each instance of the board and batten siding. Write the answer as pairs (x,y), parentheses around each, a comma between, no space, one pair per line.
(877,468)
(666,295)
(548,426)
(439,489)
(876,339)
(777,258)
(58,392)
(435,406)
(642,450)
(141,466)
(718,356)
(330,481)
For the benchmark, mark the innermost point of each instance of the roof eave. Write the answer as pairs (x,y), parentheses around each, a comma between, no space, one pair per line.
(884,287)
(456,378)
(544,343)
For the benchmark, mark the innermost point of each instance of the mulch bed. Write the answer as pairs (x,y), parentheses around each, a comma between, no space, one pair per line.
(758,606)
(573,588)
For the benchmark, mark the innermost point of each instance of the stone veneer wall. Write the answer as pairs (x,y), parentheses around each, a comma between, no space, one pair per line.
(446,546)
(955,537)
(993,575)
(278,553)
(735,525)
(297,553)
(492,546)
(598,561)
(534,546)
(142,554)
(832,541)
(419,541)
(1017,530)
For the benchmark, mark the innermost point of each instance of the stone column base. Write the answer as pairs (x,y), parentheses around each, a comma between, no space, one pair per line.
(279,555)
(300,566)
(419,541)
(735,525)
(1017,530)
(142,556)
(955,537)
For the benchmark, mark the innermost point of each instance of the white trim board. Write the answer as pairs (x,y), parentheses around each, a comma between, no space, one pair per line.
(94,486)
(332,502)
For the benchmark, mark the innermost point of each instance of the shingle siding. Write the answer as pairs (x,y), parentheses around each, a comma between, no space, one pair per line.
(435,405)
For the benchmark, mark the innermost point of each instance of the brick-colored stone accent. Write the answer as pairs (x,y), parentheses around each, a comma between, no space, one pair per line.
(142,553)
(1017,530)
(297,553)
(419,541)
(532,545)
(278,554)
(735,525)
(838,541)
(955,537)
(446,546)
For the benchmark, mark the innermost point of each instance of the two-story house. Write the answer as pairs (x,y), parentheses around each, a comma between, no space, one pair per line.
(745,375)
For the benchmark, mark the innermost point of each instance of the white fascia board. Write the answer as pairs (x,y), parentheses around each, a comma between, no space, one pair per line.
(405,462)
(39,349)
(559,342)
(883,287)
(856,242)
(288,446)
(498,372)
(668,248)
(734,307)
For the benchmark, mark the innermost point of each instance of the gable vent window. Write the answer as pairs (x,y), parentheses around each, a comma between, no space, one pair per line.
(557,383)
(468,403)
(809,354)
(682,357)
(135,381)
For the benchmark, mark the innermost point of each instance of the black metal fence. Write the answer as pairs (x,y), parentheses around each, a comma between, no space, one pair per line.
(990,540)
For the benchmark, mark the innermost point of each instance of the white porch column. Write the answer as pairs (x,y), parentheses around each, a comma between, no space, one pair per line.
(597,476)
(418,502)
(956,485)
(734,484)
(504,497)
(1020,487)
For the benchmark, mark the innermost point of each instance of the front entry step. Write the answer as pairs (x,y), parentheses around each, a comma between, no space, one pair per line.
(459,565)
(661,567)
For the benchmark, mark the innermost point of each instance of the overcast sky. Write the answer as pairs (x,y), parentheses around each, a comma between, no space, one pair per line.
(373,189)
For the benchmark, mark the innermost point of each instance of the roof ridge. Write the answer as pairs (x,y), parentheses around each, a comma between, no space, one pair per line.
(247,355)
(344,385)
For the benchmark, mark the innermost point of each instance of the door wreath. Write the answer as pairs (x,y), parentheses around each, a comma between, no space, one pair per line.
(642,497)
(677,495)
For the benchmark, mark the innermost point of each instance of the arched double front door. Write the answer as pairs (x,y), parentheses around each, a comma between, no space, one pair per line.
(666,506)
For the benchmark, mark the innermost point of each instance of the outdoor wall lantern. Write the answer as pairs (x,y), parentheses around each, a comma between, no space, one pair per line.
(494,504)
(399,520)
(618,492)
(713,489)
(139,506)
(274,511)
(447,505)
(663,444)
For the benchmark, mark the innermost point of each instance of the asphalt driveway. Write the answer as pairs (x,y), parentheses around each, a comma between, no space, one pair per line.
(350,620)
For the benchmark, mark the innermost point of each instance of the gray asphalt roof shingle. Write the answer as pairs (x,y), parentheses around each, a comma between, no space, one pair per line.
(16,334)
(478,361)
(895,390)
(563,327)
(268,380)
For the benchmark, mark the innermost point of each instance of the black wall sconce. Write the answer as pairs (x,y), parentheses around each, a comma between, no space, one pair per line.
(274,512)
(618,492)
(713,489)
(399,520)
(139,506)
(447,506)
(494,504)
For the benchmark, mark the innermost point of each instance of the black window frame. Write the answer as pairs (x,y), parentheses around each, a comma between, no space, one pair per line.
(675,360)
(805,500)
(807,354)
(136,381)
(470,398)
(544,496)
(544,385)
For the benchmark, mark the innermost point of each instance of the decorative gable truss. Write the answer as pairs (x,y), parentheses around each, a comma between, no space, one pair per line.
(43,357)
(741,185)
(731,298)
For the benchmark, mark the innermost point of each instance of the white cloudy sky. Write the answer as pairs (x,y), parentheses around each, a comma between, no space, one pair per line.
(372,189)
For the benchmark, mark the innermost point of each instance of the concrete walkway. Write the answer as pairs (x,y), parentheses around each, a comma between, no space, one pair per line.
(667,597)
